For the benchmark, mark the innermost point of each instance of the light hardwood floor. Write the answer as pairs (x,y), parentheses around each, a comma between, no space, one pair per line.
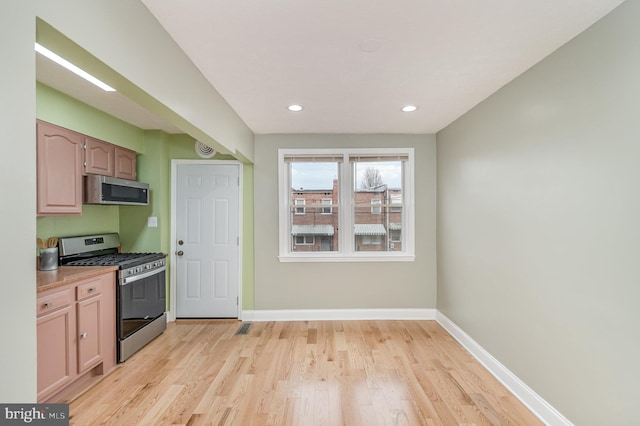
(301,373)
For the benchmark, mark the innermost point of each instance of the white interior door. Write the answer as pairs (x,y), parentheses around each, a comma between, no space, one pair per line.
(207,240)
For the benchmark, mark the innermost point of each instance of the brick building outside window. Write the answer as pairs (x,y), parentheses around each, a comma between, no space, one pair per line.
(377,219)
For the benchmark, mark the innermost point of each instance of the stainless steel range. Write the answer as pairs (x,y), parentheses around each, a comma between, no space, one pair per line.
(140,286)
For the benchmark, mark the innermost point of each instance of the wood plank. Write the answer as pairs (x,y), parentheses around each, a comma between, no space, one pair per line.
(301,373)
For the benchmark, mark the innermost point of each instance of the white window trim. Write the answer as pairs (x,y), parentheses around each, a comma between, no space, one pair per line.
(346,241)
(297,206)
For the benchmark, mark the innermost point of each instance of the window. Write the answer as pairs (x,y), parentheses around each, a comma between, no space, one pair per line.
(310,182)
(305,240)
(371,240)
(396,202)
(326,202)
(354,202)
(375,206)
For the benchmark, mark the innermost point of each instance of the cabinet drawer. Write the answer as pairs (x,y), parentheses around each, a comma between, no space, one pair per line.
(88,289)
(53,301)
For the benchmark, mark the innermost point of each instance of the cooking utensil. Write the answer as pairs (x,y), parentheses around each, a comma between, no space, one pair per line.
(41,243)
(52,242)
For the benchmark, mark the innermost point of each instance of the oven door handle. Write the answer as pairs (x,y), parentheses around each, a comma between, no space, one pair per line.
(129,280)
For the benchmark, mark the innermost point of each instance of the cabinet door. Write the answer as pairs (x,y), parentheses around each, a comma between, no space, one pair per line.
(89,333)
(125,163)
(59,164)
(99,157)
(56,350)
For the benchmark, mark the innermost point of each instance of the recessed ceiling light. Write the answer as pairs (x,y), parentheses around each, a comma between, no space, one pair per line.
(409,108)
(68,65)
(295,108)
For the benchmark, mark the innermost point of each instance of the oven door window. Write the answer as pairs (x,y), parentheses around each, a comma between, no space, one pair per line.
(140,302)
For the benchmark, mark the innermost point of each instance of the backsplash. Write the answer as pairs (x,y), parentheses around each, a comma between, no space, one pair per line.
(94,219)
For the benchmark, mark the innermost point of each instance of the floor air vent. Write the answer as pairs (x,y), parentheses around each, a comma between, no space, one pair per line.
(244,328)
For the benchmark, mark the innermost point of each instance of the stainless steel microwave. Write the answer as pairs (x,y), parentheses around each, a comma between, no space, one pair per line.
(100,189)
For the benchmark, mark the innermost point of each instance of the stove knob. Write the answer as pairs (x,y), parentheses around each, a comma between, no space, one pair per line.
(147,266)
(132,271)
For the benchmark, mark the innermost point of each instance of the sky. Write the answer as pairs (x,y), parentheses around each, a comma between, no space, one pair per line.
(321,175)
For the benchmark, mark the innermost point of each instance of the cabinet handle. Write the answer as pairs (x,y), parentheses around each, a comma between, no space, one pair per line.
(47,305)
(83,335)
(92,289)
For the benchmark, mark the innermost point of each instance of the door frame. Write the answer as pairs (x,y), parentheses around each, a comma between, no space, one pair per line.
(171,315)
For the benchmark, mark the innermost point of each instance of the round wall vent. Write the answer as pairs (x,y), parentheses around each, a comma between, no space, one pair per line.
(204,151)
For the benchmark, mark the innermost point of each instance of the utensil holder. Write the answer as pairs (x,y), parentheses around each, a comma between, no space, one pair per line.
(48,259)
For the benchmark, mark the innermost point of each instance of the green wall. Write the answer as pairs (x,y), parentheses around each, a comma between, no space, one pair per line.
(65,111)
(94,219)
(60,109)
(155,150)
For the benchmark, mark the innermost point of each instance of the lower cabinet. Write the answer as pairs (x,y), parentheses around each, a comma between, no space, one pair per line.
(56,354)
(76,334)
(89,339)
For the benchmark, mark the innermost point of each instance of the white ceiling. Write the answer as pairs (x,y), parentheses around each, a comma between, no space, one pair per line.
(445,56)
(352,64)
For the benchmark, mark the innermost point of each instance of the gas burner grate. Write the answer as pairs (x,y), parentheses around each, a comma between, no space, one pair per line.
(117,259)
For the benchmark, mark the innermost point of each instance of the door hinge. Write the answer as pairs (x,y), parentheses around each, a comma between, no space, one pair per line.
(237,300)
(238,180)
(238,241)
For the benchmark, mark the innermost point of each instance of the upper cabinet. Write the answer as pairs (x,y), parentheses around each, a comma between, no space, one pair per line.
(59,166)
(99,157)
(64,156)
(125,163)
(103,158)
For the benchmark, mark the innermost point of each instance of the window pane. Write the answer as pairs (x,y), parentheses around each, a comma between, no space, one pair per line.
(377,211)
(328,202)
(314,185)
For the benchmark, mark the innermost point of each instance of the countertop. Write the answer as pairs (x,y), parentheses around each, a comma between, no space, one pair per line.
(46,280)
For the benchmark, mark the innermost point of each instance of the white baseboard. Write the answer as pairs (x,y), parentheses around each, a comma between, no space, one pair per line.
(541,408)
(338,314)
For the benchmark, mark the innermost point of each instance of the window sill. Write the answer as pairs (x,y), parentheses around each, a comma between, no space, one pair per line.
(344,258)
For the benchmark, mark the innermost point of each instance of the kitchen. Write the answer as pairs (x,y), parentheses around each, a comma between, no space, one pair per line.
(131,225)
(130,222)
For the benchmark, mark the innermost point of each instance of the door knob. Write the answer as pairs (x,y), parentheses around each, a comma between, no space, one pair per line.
(180,242)
(180,253)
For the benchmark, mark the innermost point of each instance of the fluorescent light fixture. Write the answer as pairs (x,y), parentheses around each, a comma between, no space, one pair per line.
(295,108)
(68,65)
(409,108)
